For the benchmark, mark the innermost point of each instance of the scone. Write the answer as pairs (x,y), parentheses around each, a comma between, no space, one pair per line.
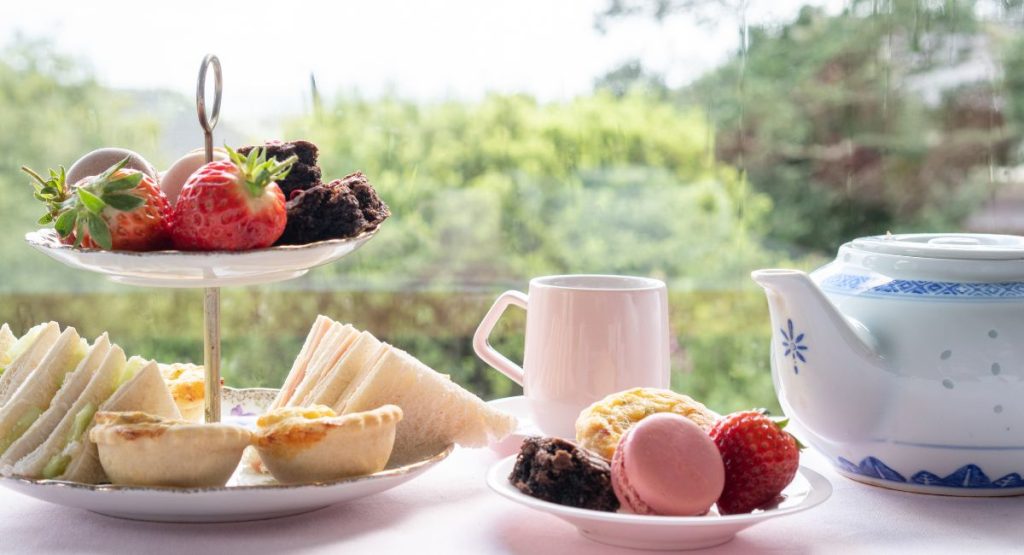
(187,385)
(140,449)
(313,444)
(601,425)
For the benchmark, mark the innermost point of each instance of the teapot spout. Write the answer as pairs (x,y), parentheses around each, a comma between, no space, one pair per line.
(826,370)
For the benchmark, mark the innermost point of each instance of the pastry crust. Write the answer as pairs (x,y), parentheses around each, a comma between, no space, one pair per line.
(601,425)
(136,448)
(312,444)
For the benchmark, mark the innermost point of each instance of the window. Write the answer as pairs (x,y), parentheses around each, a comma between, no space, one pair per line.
(689,140)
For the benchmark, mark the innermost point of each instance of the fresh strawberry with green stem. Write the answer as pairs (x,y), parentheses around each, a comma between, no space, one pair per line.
(233,204)
(760,459)
(120,209)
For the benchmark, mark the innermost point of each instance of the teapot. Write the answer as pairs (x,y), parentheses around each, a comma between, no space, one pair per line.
(903,360)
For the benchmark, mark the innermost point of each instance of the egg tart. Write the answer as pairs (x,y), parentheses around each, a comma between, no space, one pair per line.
(313,444)
(141,449)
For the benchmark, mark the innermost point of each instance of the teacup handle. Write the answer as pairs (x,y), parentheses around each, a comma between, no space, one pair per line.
(482,345)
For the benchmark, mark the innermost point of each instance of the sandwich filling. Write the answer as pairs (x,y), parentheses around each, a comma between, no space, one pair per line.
(20,346)
(58,463)
(33,413)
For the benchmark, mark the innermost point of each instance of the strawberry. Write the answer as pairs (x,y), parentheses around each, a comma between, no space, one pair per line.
(760,460)
(120,209)
(232,204)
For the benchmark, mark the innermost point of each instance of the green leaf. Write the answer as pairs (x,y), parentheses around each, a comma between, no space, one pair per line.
(45,219)
(94,203)
(123,202)
(99,231)
(110,171)
(79,231)
(123,184)
(65,223)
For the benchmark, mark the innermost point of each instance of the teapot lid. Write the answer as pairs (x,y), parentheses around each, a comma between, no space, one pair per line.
(955,246)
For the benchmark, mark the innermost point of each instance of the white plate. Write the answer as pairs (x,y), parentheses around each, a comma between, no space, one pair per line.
(516,406)
(808,490)
(248,495)
(198,269)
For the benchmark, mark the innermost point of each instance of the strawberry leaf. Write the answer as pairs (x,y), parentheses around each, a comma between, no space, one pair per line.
(99,231)
(92,202)
(65,223)
(123,184)
(110,171)
(45,219)
(123,202)
(79,231)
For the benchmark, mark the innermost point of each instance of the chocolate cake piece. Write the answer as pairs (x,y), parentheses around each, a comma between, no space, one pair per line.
(304,174)
(306,151)
(374,209)
(342,208)
(558,471)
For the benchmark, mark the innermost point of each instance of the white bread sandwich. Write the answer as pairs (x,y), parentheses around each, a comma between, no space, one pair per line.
(335,388)
(7,340)
(437,411)
(298,371)
(353,372)
(67,453)
(335,344)
(67,359)
(25,355)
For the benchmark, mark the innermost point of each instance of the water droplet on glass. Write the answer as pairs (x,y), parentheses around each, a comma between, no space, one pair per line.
(996,369)
(993,334)
(946,354)
(947,383)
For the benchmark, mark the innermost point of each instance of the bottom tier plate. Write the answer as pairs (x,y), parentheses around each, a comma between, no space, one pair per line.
(248,495)
(233,503)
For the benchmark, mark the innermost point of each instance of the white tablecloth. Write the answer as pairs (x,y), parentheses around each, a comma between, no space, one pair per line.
(450,510)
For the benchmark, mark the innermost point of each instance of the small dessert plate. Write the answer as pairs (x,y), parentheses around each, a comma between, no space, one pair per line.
(516,406)
(809,489)
(198,269)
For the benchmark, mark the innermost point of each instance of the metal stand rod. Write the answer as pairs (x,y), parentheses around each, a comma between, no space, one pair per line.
(211,301)
(211,352)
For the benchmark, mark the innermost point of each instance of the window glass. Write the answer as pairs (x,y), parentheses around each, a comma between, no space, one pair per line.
(688,140)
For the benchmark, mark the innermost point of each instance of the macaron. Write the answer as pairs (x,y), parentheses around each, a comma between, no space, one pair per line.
(666,465)
(97,161)
(172,180)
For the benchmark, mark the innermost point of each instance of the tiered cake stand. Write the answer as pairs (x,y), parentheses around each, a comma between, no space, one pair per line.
(246,497)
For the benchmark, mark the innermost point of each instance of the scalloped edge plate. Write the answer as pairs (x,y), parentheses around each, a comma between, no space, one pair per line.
(248,496)
(172,268)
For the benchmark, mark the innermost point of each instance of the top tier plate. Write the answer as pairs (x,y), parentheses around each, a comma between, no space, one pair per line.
(198,269)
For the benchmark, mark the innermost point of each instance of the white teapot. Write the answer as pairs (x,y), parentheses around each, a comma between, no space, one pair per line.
(903,360)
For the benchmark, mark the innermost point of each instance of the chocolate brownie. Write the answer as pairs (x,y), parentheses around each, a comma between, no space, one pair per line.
(558,471)
(306,151)
(374,209)
(305,174)
(342,208)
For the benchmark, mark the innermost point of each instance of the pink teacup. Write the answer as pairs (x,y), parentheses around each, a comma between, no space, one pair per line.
(586,336)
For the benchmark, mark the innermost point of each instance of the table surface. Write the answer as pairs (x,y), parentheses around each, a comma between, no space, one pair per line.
(451,510)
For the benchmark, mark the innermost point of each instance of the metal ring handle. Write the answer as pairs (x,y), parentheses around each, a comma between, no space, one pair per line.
(208,123)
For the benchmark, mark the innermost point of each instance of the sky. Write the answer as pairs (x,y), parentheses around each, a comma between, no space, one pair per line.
(424,50)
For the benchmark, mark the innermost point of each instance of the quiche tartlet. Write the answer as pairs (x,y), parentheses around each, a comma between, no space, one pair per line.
(313,444)
(187,385)
(141,449)
(601,425)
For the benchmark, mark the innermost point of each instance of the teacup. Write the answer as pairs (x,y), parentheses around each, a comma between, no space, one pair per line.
(586,336)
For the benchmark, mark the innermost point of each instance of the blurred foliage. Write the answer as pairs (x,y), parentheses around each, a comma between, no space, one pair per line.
(875,119)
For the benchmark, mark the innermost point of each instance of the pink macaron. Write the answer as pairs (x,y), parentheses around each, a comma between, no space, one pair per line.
(666,465)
